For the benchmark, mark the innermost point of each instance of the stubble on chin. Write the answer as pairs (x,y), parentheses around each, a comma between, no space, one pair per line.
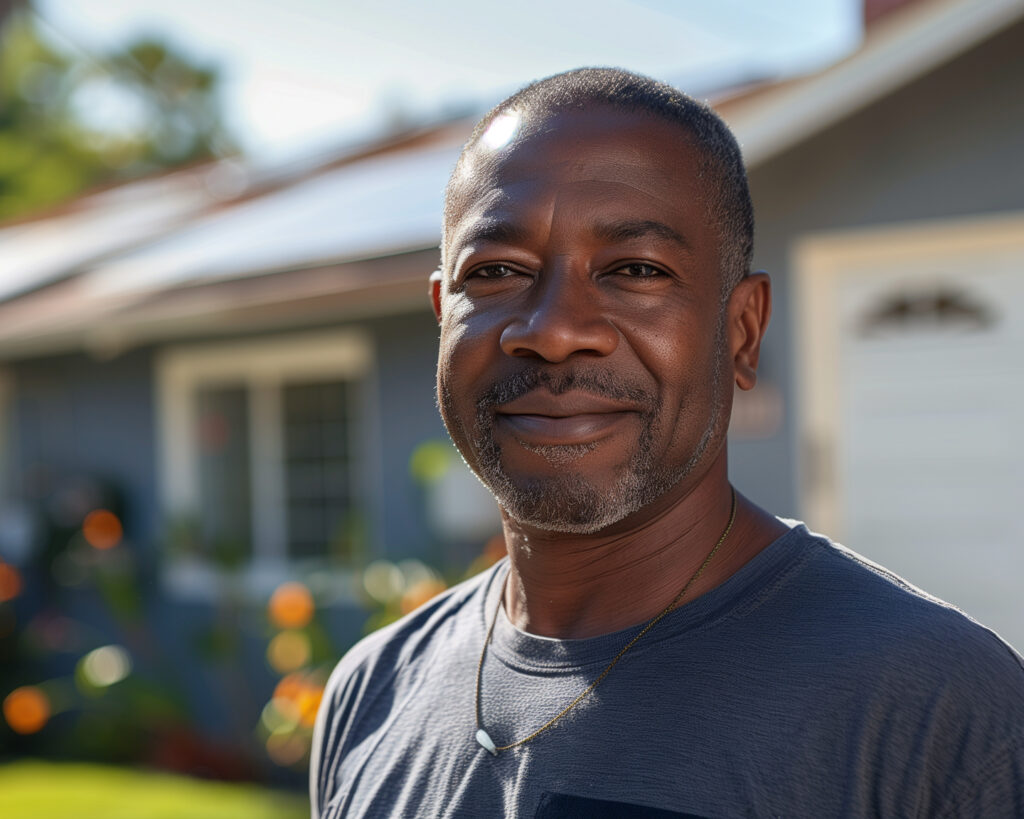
(569,501)
(560,456)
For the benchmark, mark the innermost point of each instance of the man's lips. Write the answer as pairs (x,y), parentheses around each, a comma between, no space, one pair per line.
(543,419)
(568,430)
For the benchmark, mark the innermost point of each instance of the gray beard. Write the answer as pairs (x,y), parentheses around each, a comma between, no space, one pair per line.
(568,501)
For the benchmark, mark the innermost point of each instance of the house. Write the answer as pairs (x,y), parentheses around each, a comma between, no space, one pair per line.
(889,193)
(249,356)
(239,366)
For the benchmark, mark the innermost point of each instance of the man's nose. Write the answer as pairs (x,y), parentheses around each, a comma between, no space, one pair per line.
(563,318)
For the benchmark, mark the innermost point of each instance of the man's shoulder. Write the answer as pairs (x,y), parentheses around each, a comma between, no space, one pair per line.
(883,616)
(387,667)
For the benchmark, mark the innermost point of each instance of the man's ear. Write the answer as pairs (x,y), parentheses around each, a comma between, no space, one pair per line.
(435,293)
(749,309)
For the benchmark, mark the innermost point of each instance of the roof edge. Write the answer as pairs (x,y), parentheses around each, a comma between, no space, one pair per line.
(903,47)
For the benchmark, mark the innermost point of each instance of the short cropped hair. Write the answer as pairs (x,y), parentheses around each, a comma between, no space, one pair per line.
(723,174)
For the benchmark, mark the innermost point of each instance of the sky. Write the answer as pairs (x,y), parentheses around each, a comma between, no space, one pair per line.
(313,72)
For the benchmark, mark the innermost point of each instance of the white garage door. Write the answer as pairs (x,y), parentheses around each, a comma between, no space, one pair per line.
(921,377)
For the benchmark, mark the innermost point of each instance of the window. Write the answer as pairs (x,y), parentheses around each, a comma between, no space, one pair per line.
(258,462)
(317,467)
(222,436)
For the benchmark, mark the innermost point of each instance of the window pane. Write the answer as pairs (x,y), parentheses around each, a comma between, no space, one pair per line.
(317,469)
(225,503)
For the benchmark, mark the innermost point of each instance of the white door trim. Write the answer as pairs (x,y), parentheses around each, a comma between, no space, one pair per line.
(819,261)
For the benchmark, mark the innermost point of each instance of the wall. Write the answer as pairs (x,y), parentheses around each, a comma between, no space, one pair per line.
(76,416)
(406,416)
(946,145)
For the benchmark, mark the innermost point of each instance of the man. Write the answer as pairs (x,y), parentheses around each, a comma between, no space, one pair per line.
(655,644)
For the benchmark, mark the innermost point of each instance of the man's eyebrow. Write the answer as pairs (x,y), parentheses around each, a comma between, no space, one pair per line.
(639,229)
(492,230)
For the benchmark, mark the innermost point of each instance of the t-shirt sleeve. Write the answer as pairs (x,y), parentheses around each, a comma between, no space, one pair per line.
(331,730)
(994,789)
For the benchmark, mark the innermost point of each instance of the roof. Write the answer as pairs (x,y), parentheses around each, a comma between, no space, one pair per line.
(379,206)
(905,44)
(195,250)
(37,252)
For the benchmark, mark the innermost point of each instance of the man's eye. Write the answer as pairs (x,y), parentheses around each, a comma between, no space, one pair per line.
(493,271)
(638,270)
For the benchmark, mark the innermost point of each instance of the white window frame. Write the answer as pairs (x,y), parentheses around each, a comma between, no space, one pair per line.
(263,366)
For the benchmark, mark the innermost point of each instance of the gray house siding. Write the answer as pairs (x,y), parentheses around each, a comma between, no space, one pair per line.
(948,145)
(405,417)
(74,416)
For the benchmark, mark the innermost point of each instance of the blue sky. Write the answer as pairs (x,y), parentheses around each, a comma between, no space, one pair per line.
(311,72)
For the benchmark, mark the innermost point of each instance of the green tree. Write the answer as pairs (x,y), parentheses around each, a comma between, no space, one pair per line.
(70,120)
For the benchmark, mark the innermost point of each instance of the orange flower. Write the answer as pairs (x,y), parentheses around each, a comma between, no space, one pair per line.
(102,529)
(309,703)
(301,692)
(289,686)
(291,606)
(10,582)
(27,709)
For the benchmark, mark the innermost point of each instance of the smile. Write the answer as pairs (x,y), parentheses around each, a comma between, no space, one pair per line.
(564,430)
(571,419)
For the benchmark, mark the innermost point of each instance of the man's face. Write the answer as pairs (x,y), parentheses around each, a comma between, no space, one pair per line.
(583,370)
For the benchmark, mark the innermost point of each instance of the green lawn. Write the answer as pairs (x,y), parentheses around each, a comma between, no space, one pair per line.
(40,790)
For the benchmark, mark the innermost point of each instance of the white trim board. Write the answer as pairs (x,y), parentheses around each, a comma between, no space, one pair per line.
(820,263)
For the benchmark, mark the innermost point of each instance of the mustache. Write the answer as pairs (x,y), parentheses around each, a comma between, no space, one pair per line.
(594,381)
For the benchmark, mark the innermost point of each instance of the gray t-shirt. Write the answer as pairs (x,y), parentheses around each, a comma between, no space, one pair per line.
(811,683)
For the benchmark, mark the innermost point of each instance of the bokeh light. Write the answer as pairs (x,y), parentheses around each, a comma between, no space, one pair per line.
(299,695)
(287,748)
(383,581)
(431,460)
(288,686)
(106,665)
(308,703)
(289,716)
(415,571)
(27,709)
(291,606)
(10,582)
(288,651)
(280,715)
(420,592)
(102,529)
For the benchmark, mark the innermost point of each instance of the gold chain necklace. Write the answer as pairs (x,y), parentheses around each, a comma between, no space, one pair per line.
(484,738)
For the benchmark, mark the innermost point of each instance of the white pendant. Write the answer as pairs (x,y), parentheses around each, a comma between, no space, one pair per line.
(486,741)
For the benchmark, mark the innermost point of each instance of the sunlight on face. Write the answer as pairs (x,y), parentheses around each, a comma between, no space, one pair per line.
(501,131)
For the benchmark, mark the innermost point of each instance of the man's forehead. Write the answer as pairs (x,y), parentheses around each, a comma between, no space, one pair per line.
(563,152)
(552,138)
(512,133)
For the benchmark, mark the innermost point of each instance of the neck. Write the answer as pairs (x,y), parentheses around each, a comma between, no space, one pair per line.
(576,586)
